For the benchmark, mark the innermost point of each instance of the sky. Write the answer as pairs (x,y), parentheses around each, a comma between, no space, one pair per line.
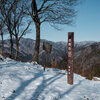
(86,27)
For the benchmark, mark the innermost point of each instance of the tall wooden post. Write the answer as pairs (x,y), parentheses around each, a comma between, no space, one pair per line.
(70,57)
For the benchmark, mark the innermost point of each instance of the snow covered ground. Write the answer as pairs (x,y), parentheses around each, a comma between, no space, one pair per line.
(25,81)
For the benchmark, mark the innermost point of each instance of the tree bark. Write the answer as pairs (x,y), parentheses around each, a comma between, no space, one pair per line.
(37,44)
(17,47)
(2,43)
(11,45)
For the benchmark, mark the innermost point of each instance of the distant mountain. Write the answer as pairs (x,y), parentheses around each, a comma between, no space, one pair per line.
(86,55)
(87,60)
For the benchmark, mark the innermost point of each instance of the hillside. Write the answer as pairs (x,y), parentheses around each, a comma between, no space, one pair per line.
(26,81)
(86,55)
(88,58)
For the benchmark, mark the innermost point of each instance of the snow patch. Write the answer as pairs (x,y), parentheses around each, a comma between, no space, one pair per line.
(28,81)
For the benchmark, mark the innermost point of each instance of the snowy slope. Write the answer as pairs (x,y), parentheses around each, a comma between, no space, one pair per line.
(25,81)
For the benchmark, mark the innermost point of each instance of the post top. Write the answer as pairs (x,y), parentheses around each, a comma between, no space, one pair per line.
(70,33)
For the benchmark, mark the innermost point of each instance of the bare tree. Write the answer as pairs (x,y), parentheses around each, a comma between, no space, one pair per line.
(52,11)
(20,24)
(5,9)
(10,29)
(2,26)
(19,33)
(12,12)
(1,33)
(1,29)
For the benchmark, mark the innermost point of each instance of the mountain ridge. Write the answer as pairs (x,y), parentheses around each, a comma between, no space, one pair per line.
(58,56)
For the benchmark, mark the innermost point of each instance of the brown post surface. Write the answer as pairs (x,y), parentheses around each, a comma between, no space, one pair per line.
(70,57)
(48,48)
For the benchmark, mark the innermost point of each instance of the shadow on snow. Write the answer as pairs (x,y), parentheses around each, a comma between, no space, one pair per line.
(40,88)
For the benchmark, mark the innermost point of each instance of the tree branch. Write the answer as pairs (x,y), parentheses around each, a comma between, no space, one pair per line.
(24,31)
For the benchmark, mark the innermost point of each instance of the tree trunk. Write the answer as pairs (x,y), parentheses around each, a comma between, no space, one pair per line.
(37,43)
(2,43)
(11,45)
(17,48)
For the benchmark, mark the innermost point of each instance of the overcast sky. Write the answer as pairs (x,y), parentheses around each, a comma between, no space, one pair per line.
(86,27)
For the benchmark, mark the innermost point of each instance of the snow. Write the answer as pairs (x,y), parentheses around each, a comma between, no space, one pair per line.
(28,81)
(96,78)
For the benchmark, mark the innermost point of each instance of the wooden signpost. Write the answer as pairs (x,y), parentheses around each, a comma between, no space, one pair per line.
(70,57)
(48,48)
